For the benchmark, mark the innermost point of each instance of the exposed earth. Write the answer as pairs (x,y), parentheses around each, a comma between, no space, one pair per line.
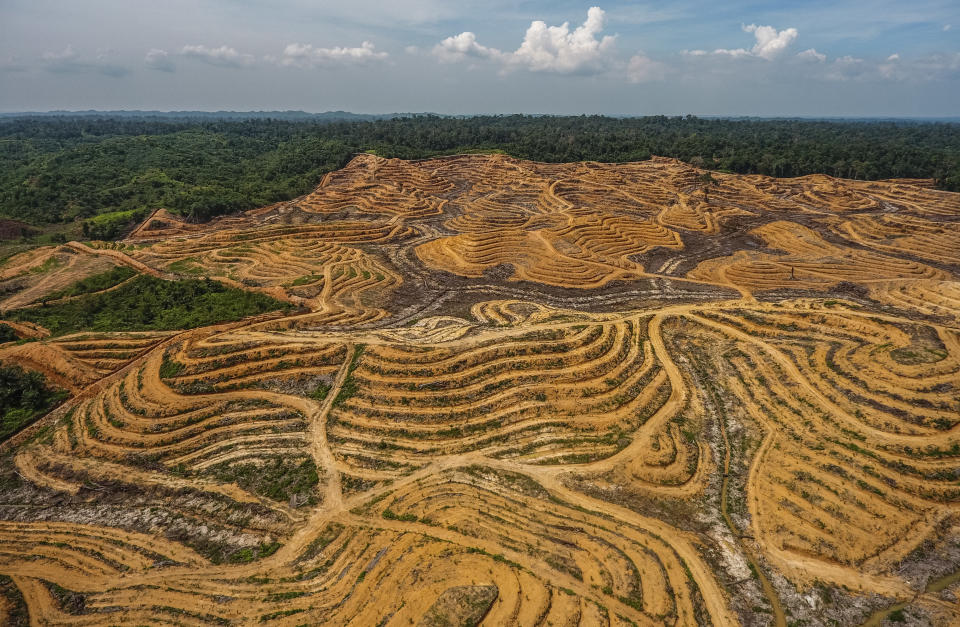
(507,392)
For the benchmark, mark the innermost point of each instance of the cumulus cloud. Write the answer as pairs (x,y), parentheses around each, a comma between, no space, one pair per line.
(543,49)
(770,43)
(307,56)
(224,56)
(158,59)
(69,61)
(463,46)
(810,54)
(558,49)
(643,69)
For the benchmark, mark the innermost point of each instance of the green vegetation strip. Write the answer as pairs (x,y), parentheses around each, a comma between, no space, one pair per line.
(24,397)
(148,303)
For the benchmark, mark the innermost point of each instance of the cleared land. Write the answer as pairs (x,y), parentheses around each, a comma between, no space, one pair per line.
(504,392)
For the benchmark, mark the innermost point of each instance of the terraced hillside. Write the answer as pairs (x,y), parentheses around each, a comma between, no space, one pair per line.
(503,392)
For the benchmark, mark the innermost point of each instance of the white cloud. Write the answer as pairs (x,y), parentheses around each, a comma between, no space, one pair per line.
(307,56)
(68,54)
(69,61)
(934,67)
(557,49)
(224,56)
(735,52)
(462,46)
(158,59)
(893,68)
(846,68)
(543,49)
(947,27)
(643,69)
(810,54)
(769,45)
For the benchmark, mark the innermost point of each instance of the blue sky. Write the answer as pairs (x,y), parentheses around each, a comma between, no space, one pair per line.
(709,58)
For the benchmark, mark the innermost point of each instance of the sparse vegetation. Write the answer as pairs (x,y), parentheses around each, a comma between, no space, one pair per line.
(283,480)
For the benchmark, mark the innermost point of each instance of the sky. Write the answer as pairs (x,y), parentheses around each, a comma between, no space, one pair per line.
(802,58)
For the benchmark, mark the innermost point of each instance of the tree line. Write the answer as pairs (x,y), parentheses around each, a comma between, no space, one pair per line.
(65,168)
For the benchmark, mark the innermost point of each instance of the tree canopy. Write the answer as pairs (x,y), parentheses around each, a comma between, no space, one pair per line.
(56,169)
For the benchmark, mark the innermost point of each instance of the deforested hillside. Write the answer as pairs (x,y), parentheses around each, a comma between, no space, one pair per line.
(477,389)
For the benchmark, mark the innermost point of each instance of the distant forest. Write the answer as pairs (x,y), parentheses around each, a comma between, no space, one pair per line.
(108,171)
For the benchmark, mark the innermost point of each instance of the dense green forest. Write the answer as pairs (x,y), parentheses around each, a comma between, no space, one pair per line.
(24,396)
(57,169)
(147,303)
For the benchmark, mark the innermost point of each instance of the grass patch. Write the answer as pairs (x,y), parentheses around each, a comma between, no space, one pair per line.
(48,264)
(309,278)
(186,266)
